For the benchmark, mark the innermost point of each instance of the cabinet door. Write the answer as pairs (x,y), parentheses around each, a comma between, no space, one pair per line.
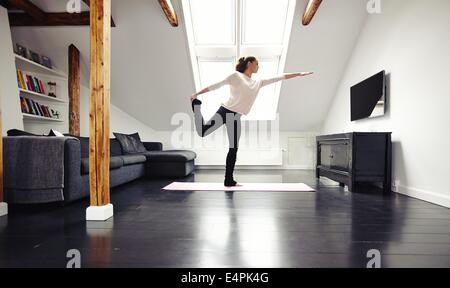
(335,155)
(340,157)
(325,152)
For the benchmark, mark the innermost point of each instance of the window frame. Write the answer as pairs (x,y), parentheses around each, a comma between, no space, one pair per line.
(219,52)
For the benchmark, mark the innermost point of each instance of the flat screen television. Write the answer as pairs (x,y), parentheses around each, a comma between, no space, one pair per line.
(368,98)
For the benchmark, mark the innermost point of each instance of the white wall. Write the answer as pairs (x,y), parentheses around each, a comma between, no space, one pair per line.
(120,121)
(411,41)
(290,150)
(9,93)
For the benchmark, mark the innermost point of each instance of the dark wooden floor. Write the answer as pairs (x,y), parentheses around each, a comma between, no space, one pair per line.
(153,228)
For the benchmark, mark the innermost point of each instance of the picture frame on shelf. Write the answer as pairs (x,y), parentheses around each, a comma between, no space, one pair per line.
(52,89)
(35,57)
(22,51)
(47,62)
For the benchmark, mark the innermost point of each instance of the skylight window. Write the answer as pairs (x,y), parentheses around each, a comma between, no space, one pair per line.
(213,22)
(221,31)
(264,21)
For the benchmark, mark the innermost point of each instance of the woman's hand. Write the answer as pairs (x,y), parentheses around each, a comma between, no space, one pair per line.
(301,74)
(193,96)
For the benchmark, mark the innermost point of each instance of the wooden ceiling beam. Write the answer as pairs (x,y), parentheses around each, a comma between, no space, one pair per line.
(170,13)
(52,19)
(310,11)
(28,7)
(5,4)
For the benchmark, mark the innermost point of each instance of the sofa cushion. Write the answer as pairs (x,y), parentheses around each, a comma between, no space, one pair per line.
(133,159)
(115,162)
(131,144)
(170,156)
(84,146)
(17,132)
(115,148)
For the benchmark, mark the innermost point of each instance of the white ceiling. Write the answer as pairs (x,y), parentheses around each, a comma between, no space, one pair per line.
(151,77)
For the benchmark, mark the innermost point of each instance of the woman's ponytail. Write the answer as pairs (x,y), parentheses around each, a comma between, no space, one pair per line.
(242,64)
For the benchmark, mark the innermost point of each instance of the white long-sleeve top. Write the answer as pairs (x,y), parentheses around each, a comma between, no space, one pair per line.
(243,90)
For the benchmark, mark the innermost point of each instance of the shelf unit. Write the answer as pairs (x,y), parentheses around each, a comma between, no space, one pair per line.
(32,66)
(41,96)
(40,118)
(40,124)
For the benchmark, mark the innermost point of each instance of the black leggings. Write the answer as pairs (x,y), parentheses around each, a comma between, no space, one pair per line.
(232,121)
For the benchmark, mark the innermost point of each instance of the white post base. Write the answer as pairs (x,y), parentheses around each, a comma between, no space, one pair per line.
(3,209)
(99,213)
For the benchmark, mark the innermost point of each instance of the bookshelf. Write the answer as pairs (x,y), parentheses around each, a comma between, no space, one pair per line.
(40,96)
(37,123)
(32,66)
(40,118)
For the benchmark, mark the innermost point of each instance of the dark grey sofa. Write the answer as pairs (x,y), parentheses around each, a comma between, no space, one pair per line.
(123,168)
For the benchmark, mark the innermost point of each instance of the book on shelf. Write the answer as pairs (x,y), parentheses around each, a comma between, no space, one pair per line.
(41,86)
(29,106)
(35,87)
(22,105)
(46,111)
(43,111)
(36,112)
(30,83)
(40,109)
(36,108)
(20,79)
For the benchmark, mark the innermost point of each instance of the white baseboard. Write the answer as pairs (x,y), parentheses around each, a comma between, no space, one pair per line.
(428,196)
(3,209)
(99,213)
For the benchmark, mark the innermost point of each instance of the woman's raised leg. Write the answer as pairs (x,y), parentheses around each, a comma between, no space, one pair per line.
(204,129)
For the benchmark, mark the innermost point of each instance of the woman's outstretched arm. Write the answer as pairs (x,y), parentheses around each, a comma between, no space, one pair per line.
(212,87)
(284,77)
(194,96)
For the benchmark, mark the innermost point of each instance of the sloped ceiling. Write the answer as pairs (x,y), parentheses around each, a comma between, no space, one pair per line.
(151,77)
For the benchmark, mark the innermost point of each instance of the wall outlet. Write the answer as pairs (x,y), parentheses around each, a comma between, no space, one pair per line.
(395,185)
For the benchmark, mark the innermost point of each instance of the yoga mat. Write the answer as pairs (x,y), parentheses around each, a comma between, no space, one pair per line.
(212,186)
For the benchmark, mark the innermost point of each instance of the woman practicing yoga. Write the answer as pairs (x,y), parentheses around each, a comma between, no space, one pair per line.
(243,90)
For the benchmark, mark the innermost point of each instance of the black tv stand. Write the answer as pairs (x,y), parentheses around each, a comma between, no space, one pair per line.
(357,157)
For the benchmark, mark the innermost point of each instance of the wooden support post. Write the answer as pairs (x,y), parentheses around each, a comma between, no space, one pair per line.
(88,3)
(99,148)
(74,90)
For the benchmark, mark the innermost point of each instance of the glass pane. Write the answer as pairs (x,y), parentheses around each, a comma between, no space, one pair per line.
(213,21)
(264,106)
(263,21)
(212,72)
